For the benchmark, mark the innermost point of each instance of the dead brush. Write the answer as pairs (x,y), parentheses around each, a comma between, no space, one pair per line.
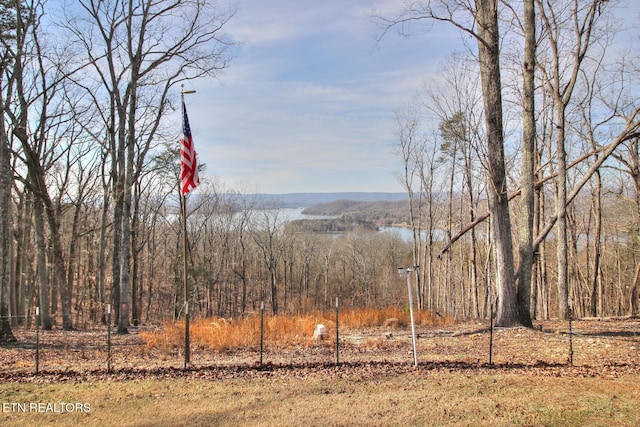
(427,318)
(288,330)
(372,317)
(224,335)
(167,338)
(368,317)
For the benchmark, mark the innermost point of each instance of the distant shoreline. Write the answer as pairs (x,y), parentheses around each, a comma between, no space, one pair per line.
(310,199)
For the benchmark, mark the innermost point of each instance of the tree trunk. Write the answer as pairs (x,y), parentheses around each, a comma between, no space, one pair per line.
(633,303)
(6,233)
(527,183)
(274,288)
(115,260)
(489,56)
(125,243)
(38,184)
(43,282)
(561,80)
(58,265)
(22,239)
(102,251)
(450,281)
(562,245)
(635,174)
(73,247)
(596,281)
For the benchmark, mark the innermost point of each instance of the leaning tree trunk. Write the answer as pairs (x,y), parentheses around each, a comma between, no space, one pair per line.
(40,189)
(633,303)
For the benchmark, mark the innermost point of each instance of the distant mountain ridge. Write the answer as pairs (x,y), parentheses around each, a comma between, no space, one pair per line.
(301,200)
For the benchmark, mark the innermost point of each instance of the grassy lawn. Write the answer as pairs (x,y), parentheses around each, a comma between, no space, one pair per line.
(420,397)
(530,384)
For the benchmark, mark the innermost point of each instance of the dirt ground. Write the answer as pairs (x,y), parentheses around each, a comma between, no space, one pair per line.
(593,347)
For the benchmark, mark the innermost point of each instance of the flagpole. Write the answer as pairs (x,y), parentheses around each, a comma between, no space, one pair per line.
(186,281)
(185,252)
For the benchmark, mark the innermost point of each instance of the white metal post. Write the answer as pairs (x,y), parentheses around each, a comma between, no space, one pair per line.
(413,323)
(408,272)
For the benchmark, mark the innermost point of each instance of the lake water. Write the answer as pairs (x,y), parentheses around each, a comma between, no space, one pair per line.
(405,233)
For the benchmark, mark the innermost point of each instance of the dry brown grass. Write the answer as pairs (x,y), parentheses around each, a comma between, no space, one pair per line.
(411,398)
(225,335)
(530,383)
(368,317)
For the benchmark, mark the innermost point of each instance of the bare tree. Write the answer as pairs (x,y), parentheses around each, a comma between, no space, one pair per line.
(428,162)
(7,28)
(629,158)
(489,57)
(527,184)
(457,104)
(480,20)
(138,52)
(267,235)
(409,146)
(40,121)
(577,33)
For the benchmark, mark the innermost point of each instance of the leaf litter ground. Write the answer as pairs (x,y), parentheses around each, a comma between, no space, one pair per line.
(530,381)
(598,347)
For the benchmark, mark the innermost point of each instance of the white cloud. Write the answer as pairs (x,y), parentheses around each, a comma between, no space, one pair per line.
(308,104)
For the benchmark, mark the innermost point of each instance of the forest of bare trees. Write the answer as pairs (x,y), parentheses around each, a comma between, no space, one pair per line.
(521,162)
(568,92)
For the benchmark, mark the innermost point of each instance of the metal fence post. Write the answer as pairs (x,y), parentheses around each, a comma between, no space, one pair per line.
(261,330)
(491,335)
(570,333)
(337,335)
(108,337)
(37,340)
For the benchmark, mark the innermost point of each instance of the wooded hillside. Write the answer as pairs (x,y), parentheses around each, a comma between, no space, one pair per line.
(377,212)
(521,173)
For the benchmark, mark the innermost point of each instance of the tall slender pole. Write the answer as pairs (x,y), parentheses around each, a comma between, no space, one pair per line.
(184,253)
(261,330)
(337,334)
(491,334)
(413,323)
(186,281)
(108,337)
(37,340)
(570,332)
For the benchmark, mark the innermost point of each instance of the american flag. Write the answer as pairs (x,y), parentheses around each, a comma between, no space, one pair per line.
(188,161)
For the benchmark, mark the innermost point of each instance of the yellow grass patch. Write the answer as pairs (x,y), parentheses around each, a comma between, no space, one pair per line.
(412,398)
(281,330)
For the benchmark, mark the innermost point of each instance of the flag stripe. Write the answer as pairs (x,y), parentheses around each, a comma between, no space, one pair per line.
(188,159)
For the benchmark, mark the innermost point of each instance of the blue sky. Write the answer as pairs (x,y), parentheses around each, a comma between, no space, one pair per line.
(308,104)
